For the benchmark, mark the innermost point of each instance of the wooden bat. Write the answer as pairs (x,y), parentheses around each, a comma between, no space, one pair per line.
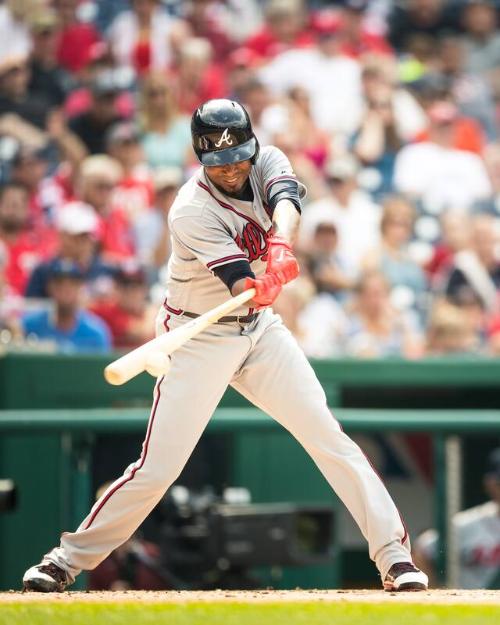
(128,366)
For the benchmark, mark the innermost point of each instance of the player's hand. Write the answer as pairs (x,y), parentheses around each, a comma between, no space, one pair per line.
(280,260)
(267,288)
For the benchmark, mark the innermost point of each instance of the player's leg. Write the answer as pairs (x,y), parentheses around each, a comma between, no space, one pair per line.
(278,378)
(184,402)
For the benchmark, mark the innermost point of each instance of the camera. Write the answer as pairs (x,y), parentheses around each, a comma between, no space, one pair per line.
(210,542)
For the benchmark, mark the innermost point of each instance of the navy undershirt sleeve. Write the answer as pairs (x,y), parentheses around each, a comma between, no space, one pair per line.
(232,272)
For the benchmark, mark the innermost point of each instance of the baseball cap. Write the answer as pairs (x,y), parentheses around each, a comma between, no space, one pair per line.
(122,132)
(77,218)
(167,177)
(493,464)
(62,268)
(105,84)
(342,168)
(130,272)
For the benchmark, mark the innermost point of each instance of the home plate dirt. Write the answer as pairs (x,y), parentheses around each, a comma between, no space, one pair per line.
(484,597)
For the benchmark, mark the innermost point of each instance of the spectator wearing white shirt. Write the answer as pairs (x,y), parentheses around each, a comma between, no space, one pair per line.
(143,38)
(356,216)
(331,79)
(437,174)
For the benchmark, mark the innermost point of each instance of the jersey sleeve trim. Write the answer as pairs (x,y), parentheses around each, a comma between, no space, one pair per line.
(225,259)
(278,179)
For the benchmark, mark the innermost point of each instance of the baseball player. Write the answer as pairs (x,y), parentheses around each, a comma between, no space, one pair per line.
(232,225)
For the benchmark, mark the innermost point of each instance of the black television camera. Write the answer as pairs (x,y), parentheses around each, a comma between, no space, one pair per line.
(211,542)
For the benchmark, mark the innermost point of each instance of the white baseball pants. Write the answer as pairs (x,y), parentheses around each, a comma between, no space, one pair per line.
(264,363)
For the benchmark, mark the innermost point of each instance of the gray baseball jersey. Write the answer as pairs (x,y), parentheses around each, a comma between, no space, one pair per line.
(260,359)
(210,230)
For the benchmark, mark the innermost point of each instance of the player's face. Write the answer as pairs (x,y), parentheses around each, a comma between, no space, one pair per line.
(231,177)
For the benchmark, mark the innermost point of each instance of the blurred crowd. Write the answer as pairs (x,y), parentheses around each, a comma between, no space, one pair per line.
(389,112)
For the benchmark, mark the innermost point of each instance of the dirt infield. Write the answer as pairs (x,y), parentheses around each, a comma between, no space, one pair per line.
(442,597)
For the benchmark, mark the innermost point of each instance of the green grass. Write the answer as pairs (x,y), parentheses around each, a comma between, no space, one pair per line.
(314,613)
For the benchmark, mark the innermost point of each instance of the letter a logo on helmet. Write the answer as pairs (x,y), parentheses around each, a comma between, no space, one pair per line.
(225,138)
(222,133)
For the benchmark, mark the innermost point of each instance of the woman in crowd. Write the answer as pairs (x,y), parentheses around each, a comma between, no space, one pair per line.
(167,136)
(391,257)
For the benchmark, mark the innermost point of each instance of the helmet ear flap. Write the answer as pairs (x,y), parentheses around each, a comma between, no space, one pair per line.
(254,158)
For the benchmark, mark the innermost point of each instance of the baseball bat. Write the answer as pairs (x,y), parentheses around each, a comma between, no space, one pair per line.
(128,366)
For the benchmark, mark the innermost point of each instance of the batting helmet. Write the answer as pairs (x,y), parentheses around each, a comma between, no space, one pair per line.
(222,133)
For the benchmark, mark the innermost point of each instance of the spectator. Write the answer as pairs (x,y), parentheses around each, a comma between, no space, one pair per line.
(151,233)
(29,169)
(476,271)
(23,245)
(319,70)
(406,278)
(129,315)
(70,327)
(392,118)
(91,126)
(48,80)
(77,225)
(144,38)
(356,216)
(293,118)
(436,174)
(97,179)
(76,38)
(470,92)
(166,133)
(478,536)
(285,28)
(14,32)
(374,328)
(195,77)
(449,332)
(15,98)
(10,304)
(208,20)
(482,41)
(323,262)
(433,18)
(355,35)
(134,192)
(455,231)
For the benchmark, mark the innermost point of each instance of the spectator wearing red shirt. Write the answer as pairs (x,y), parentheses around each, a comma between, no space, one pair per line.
(355,37)
(129,316)
(24,246)
(285,28)
(97,179)
(134,192)
(76,38)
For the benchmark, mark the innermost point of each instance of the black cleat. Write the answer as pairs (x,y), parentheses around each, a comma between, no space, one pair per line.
(405,576)
(45,577)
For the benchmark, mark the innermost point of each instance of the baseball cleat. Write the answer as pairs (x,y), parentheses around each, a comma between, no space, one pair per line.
(405,576)
(45,577)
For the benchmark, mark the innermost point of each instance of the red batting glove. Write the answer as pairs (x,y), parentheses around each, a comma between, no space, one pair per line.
(267,287)
(280,260)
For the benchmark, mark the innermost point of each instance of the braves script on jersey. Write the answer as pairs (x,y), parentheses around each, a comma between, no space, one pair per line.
(209,230)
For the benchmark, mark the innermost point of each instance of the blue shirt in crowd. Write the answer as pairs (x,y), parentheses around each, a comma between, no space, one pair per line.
(89,334)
